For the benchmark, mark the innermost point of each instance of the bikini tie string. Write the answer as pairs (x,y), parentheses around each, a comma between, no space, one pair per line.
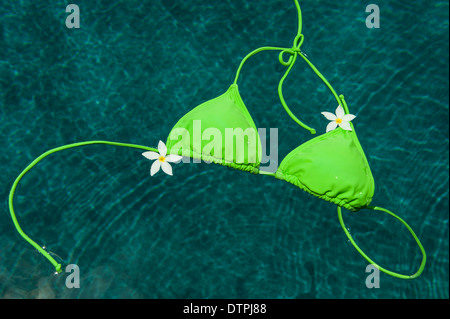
(292,51)
(389,272)
(43,250)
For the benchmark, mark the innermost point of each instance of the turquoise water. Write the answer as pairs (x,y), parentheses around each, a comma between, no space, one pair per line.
(135,67)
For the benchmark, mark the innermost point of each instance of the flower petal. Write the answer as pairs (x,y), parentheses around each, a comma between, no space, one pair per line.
(340,112)
(162,149)
(345,126)
(150,155)
(331,126)
(166,168)
(348,117)
(155,168)
(173,158)
(329,116)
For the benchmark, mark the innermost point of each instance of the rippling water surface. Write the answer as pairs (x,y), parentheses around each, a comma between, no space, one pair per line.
(135,67)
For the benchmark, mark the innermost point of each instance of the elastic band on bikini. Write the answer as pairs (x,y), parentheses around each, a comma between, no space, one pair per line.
(391,273)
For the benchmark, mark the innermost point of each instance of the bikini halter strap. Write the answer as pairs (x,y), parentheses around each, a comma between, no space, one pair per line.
(42,250)
(391,273)
(293,52)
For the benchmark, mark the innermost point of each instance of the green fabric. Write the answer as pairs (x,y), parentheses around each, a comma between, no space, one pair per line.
(312,166)
(332,167)
(221,121)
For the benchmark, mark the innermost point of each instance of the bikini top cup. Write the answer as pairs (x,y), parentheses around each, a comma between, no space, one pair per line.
(331,166)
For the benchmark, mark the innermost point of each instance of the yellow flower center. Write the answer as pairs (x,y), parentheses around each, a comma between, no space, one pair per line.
(161,159)
(338,121)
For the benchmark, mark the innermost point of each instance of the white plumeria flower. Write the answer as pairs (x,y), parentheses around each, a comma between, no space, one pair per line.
(162,161)
(339,119)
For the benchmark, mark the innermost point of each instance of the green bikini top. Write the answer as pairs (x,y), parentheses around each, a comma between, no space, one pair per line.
(332,166)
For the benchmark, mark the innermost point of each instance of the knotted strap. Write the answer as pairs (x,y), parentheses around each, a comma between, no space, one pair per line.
(293,52)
